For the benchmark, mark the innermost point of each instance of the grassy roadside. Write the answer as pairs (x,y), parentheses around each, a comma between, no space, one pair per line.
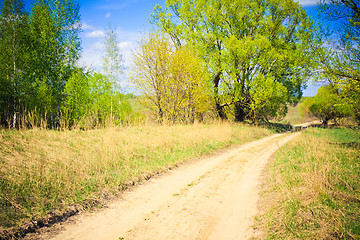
(43,173)
(312,188)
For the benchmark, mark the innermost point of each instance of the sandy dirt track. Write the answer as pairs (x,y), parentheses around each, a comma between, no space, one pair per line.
(213,198)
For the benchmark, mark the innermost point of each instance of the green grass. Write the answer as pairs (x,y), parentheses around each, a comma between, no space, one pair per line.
(45,172)
(294,117)
(313,189)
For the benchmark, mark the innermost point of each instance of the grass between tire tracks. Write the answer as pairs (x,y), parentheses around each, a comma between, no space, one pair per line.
(312,188)
(43,172)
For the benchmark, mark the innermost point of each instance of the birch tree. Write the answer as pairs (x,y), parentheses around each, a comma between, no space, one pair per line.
(14,60)
(113,62)
(55,28)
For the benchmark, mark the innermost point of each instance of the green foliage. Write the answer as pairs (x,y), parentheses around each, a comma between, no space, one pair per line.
(170,80)
(38,51)
(246,45)
(14,60)
(87,103)
(341,63)
(40,83)
(77,91)
(268,99)
(326,105)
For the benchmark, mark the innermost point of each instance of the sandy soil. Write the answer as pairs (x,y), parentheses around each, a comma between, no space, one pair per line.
(213,198)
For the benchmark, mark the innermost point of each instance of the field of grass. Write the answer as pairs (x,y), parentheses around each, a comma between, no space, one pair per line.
(293,117)
(46,172)
(312,188)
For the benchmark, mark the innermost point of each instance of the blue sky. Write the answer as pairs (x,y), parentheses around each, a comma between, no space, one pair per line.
(131,19)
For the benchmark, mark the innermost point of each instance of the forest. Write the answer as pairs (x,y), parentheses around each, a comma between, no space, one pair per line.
(229,60)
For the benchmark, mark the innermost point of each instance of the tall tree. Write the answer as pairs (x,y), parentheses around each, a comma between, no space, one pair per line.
(248,46)
(341,62)
(45,43)
(14,58)
(113,62)
(170,80)
(56,27)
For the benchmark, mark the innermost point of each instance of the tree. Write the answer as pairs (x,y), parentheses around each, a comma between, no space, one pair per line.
(55,29)
(113,62)
(38,53)
(341,62)
(77,101)
(326,105)
(243,43)
(170,80)
(14,58)
(45,44)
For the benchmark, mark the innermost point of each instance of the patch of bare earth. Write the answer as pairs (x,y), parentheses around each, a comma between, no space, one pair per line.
(213,198)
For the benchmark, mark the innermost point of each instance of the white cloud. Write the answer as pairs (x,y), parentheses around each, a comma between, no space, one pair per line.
(126,45)
(94,49)
(95,33)
(91,58)
(86,26)
(108,15)
(306,3)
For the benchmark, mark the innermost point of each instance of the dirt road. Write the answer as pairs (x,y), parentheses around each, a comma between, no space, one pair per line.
(213,198)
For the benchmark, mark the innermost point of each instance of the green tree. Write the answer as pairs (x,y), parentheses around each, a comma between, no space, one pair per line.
(326,105)
(113,63)
(55,29)
(14,59)
(244,43)
(77,101)
(100,95)
(45,43)
(170,80)
(341,62)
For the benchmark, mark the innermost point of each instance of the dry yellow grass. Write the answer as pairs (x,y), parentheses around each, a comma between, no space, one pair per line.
(43,171)
(312,188)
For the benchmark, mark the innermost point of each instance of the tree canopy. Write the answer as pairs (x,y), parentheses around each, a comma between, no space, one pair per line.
(170,80)
(340,63)
(326,105)
(258,53)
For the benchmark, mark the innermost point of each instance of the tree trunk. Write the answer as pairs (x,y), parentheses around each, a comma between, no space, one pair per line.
(219,108)
(325,121)
(14,76)
(240,112)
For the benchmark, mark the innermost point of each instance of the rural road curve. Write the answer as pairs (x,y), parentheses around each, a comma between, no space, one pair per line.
(213,198)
